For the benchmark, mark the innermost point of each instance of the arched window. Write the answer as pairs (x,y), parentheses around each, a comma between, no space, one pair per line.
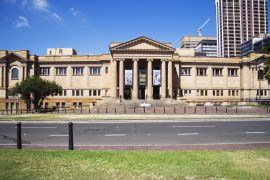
(14,73)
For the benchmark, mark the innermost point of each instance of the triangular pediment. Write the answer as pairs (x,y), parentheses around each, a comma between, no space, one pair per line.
(13,57)
(142,44)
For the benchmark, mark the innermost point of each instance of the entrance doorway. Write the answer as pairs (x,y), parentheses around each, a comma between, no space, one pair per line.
(142,92)
(156,93)
(127,93)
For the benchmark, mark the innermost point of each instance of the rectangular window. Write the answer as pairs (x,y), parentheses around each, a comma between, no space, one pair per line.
(77,92)
(44,71)
(217,71)
(80,104)
(57,105)
(185,92)
(185,71)
(61,71)
(107,70)
(75,104)
(232,71)
(217,92)
(63,105)
(94,92)
(201,71)
(73,92)
(98,92)
(81,92)
(95,71)
(65,92)
(90,92)
(77,71)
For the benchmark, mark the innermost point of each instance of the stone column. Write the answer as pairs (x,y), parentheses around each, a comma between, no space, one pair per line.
(69,76)
(52,73)
(121,78)
(163,78)
(4,76)
(135,79)
(114,78)
(1,83)
(150,79)
(86,73)
(170,79)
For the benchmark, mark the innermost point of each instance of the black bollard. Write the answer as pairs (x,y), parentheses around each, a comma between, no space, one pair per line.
(115,110)
(195,109)
(19,135)
(65,110)
(134,110)
(154,109)
(70,136)
(185,110)
(236,110)
(106,110)
(143,109)
(174,110)
(216,109)
(226,109)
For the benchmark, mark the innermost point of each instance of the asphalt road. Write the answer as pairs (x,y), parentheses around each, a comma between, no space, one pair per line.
(139,134)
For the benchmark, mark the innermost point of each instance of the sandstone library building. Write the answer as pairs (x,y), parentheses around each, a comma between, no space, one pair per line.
(140,69)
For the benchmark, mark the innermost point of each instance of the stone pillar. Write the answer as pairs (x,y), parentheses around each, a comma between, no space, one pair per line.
(69,76)
(163,78)
(170,79)
(114,78)
(135,79)
(86,73)
(150,79)
(1,83)
(4,76)
(52,71)
(121,78)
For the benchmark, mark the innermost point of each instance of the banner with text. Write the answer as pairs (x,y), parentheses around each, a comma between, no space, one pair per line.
(128,77)
(156,77)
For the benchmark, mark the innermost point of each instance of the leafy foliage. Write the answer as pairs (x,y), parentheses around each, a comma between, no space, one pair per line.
(266,70)
(35,90)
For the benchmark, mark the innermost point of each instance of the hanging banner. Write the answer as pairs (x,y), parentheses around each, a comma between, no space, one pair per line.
(156,77)
(128,77)
(142,77)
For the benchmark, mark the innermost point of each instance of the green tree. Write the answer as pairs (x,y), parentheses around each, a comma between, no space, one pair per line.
(266,69)
(34,90)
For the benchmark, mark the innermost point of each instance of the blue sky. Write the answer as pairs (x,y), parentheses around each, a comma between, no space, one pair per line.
(90,25)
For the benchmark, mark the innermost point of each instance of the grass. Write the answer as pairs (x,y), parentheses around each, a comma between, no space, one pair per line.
(87,117)
(114,165)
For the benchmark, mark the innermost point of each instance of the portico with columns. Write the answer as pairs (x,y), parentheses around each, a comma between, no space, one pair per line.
(136,62)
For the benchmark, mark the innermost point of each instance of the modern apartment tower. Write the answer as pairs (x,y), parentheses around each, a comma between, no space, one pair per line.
(237,22)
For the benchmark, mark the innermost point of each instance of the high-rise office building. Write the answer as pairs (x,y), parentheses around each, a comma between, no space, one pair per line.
(237,22)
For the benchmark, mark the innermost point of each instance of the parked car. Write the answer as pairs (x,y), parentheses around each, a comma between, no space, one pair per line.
(145,104)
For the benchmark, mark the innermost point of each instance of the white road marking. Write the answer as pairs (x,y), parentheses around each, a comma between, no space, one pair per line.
(148,134)
(194,126)
(255,132)
(37,127)
(58,135)
(188,134)
(114,135)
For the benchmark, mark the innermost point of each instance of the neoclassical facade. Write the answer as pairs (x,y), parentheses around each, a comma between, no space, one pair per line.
(140,69)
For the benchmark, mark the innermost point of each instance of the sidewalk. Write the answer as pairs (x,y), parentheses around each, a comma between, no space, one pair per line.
(128,118)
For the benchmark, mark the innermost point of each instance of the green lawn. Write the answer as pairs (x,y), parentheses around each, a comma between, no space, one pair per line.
(87,117)
(52,164)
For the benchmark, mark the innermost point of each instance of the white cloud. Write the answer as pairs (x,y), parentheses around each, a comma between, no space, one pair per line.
(56,16)
(41,5)
(22,22)
(74,12)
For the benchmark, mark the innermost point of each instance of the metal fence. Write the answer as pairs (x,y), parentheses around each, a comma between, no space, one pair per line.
(148,110)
